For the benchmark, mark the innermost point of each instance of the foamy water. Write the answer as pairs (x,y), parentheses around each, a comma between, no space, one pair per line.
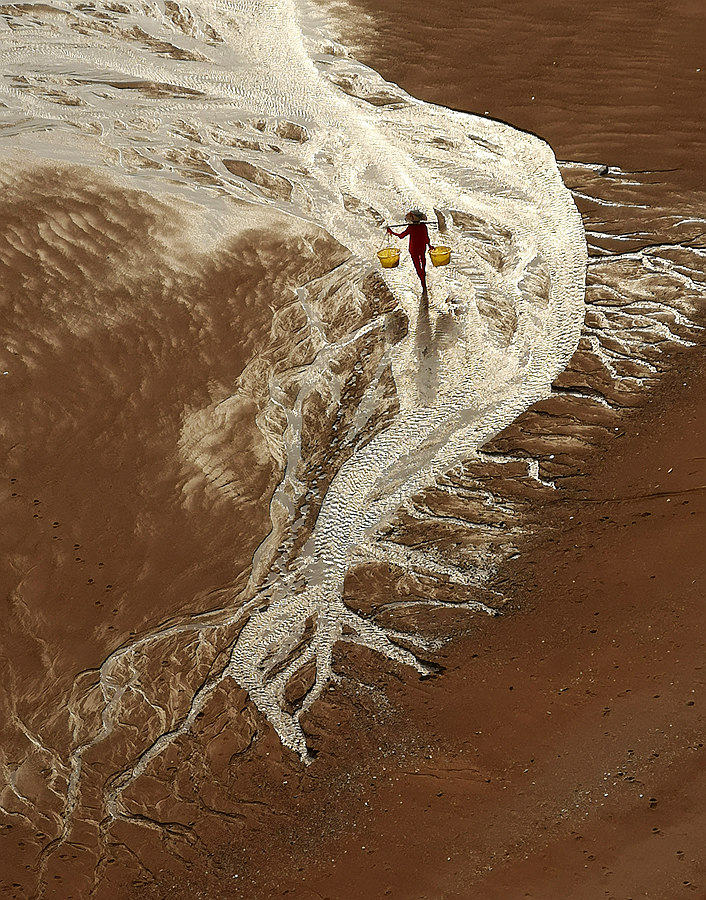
(235,118)
(252,101)
(232,112)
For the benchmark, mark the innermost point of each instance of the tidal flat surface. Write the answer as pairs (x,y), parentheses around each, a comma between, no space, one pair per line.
(255,486)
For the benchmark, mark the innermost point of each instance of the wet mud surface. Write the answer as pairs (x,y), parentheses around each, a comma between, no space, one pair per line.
(568,491)
(601,82)
(553,750)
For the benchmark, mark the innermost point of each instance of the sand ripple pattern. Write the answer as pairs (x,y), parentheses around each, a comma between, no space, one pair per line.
(241,116)
(251,101)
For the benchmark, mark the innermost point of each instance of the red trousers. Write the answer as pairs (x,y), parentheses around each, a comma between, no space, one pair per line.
(420,264)
(418,243)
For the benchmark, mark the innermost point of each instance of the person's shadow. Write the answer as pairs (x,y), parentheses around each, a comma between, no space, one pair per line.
(429,344)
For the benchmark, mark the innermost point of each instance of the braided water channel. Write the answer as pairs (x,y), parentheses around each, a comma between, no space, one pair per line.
(250,103)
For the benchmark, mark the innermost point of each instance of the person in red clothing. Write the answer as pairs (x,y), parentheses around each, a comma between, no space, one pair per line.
(418,243)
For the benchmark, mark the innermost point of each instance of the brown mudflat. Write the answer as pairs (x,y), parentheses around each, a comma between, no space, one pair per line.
(601,82)
(564,748)
(559,753)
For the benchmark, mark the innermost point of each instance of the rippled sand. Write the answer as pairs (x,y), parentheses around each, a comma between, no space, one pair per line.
(215,411)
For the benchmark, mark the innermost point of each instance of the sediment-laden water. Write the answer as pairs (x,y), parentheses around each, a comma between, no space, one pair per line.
(214,402)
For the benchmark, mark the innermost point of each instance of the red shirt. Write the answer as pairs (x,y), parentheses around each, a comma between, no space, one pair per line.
(418,238)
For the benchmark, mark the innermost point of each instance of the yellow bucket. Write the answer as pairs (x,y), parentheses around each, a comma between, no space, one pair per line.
(389,257)
(440,256)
